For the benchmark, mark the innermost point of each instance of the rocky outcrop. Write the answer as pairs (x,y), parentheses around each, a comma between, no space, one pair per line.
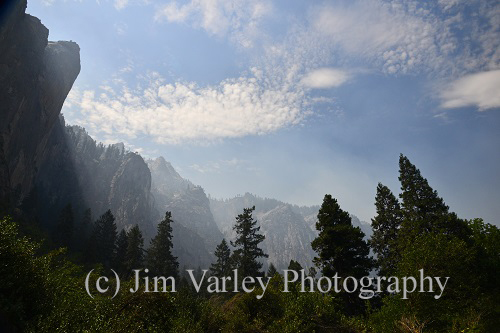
(35,78)
(113,178)
(289,229)
(195,232)
(287,237)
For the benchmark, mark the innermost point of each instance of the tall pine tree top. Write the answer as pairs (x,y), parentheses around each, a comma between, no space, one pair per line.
(104,237)
(385,227)
(135,251)
(222,267)
(247,244)
(419,199)
(160,259)
(339,245)
(423,210)
(121,253)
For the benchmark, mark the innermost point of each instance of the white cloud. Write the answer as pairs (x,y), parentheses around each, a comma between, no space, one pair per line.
(120,4)
(480,89)
(378,31)
(325,78)
(238,18)
(448,4)
(180,112)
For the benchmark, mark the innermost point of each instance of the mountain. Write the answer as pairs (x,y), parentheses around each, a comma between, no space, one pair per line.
(289,229)
(288,236)
(190,209)
(35,78)
(113,178)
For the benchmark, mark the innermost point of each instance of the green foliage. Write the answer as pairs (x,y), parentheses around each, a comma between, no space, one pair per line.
(45,292)
(340,246)
(103,239)
(135,253)
(247,244)
(385,227)
(120,257)
(295,266)
(159,258)
(271,271)
(423,210)
(437,241)
(223,265)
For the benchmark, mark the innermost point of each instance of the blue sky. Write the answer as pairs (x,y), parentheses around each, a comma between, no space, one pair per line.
(295,99)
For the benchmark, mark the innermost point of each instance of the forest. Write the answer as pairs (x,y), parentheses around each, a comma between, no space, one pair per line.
(43,272)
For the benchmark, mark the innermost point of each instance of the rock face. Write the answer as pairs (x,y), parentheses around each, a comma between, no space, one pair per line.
(35,78)
(289,229)
(191,213)
(288,236)
(112,178)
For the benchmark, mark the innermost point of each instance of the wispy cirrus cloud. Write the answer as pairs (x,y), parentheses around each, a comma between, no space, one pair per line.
(238,19)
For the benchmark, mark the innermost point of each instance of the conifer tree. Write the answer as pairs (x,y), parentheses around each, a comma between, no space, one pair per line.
(295,266)
(159,259)
(423,210)
(222,267)
(271,271)
(121,253)
(135,249)
(341,249)
(385,227)
(247,244)
(312,272)
(339,245)
(103,238)
(65,225)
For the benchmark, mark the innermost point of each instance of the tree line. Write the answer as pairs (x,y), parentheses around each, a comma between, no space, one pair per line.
(412,231)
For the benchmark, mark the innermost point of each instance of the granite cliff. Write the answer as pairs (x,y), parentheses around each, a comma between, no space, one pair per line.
(35,78)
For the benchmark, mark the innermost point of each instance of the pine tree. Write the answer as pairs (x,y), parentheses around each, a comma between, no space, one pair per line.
(135,249)
(341,249)
(65,225)
(312,272)
(247,244)
(271,271)
(423,210)
(159,259)
(103,238)
(295,266)
(385,227)
(121,253)
(223,265)
(339,245)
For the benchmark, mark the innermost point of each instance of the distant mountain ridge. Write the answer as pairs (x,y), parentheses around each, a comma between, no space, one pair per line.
(289,229)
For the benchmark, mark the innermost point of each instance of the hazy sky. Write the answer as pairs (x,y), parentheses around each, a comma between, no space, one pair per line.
(295,99)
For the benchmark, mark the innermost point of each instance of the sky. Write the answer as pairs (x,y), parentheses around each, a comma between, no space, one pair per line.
(295,99)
